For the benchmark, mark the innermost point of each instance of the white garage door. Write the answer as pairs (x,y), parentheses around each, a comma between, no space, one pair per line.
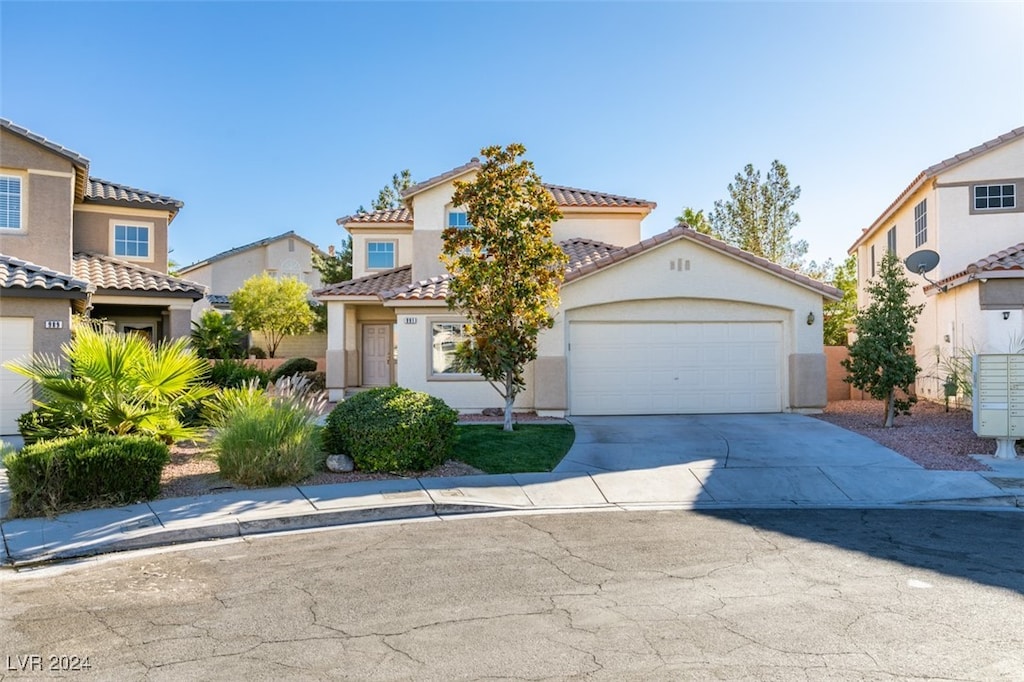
(674,367)
(15,342)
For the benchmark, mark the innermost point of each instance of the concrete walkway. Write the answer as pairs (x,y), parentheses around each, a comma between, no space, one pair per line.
(616,463)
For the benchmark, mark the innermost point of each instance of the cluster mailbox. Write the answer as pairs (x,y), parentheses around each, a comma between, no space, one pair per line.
(999,400)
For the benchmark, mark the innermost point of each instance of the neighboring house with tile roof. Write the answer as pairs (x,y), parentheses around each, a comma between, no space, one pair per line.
(968,209)
(676,323)
(74,243)
(283,255)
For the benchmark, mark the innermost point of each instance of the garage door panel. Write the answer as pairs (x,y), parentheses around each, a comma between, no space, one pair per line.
(15,398)
(675,368)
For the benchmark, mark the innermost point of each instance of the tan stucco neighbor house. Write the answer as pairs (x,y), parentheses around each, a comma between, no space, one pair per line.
(71,243)
(968,209)
(283,255)
(677,323)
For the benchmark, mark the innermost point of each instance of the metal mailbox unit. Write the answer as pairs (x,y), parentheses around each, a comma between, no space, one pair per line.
(998,400)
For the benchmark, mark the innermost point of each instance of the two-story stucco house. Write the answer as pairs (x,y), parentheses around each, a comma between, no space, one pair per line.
(677,323)
(967,209)
(73,243)
(283,255)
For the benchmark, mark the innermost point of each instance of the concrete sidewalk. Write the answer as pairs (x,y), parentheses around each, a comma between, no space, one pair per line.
(620,464)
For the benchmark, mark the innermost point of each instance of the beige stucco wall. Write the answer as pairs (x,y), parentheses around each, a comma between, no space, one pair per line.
(41,309)
(94,232)
(47,199)
(404,248)
(618,229)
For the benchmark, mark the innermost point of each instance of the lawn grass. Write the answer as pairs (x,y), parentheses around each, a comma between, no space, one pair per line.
(529,448)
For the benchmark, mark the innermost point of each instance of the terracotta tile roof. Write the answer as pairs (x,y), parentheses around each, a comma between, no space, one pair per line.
(680,231)
(19,274)
(433,289)
(1006,263)
(391,215)
(370,285)
(572,197)
(72,156)
(108,273)
(424,185)
(106,192)
(246,247)
(565,197)
(218,299)
(931,172)
(583,252)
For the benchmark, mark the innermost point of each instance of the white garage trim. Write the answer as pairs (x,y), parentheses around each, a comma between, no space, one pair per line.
(674,367)
(16,335)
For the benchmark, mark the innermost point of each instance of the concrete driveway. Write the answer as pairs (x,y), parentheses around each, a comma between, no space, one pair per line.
(752,459)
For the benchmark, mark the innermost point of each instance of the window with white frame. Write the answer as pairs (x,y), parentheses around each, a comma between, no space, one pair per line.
(458,219)
(10,202)
(445,337)
(132,241)
(890,239)
(872,260)
(987,197)
(380,255)
(921,223)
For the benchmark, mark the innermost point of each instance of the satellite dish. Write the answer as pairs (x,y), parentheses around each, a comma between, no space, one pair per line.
(922,261)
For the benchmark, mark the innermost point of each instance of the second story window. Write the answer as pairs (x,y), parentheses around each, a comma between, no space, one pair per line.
(458,219)
(921,223)
(987,197)
(890,239)
(380,255)
(872,260)
(132,241)
(10,202)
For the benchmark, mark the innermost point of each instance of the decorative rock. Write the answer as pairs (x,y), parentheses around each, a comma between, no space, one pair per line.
(493,412)
(340,464)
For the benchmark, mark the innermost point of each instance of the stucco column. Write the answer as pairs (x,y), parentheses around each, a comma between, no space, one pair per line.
(179,320)
(808,387)
(335,350)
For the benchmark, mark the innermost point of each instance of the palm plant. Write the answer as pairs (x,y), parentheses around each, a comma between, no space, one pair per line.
(217,337)
(117,384)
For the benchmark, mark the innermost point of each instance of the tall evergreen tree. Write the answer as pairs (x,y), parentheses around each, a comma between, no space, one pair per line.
(880,360)
(758,216)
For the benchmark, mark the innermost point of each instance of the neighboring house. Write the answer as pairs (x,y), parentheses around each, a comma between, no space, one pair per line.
(73,243)
(678,323)
(969,210)
(285,255)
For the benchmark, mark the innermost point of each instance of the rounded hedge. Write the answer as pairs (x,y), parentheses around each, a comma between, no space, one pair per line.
(392,429)
(292,367)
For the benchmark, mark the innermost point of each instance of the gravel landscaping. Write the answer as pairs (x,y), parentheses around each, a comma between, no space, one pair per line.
(929,436)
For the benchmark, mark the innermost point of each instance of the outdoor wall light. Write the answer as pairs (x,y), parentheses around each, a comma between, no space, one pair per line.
(1006,314)
(810,317)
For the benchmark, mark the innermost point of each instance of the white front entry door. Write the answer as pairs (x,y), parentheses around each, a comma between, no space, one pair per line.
(674,367)
(376,355)
(15,343)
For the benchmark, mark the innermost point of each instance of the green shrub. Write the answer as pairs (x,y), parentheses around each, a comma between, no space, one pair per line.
(292,367)
(46,421)
(392,429)
(237,373)
(257,352)
(263,439)
(84,471)
(317,380)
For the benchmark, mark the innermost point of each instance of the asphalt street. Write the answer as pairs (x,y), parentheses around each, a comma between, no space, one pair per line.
(741,594)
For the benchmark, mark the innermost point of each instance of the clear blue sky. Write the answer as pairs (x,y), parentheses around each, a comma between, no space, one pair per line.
(266,117)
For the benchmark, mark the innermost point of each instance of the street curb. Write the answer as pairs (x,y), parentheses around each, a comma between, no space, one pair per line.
(236,528)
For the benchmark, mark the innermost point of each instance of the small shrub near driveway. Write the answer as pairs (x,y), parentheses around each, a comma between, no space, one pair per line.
(292,367)
(263,439)
(392,429)
(92,470)
(237,373)
(530,448)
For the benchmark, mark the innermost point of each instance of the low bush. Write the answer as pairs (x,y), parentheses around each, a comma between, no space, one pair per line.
(257,352)
(84,471)
(292,367)
(237,373)
(263,439)
(392,429)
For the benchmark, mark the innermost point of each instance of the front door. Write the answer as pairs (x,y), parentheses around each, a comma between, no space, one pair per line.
(376,354)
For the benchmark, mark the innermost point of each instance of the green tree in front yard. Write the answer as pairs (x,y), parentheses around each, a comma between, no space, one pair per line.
(275,307)
(880,360)
(216,336)
(506,268)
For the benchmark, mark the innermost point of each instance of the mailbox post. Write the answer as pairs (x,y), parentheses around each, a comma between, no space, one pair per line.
(999,400)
